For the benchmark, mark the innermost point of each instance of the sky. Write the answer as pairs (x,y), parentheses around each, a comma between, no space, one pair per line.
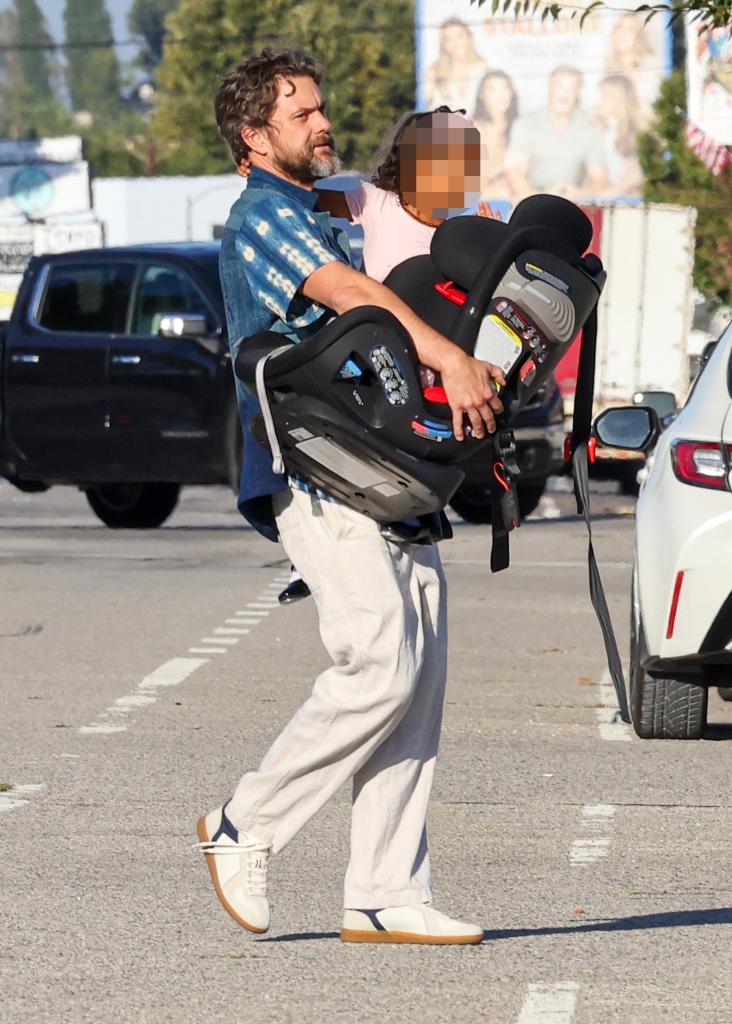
(118,9)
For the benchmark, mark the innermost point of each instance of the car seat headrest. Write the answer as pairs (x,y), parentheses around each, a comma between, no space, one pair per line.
(461,247)
(554,212)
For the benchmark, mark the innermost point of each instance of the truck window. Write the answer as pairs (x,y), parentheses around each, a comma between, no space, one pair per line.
(161,290)
(87,298)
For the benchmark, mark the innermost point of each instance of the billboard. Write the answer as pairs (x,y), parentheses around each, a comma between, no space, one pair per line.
(709,76)
(559,106)
(40,190)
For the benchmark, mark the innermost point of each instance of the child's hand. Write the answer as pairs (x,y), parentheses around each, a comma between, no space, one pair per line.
(244,167)
(486,210)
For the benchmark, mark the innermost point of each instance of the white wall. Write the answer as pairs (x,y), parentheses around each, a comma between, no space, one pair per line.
(172,209)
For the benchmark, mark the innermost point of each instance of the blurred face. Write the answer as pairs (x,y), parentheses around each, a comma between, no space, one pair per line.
(440,171)
(298,140)
(625,33)
(564,90)
(497,95)
(456,41)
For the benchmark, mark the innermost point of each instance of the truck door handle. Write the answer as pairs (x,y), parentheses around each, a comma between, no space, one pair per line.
(24,357)
(127,360)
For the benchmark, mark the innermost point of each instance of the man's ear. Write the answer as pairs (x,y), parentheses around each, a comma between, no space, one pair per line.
(254,138)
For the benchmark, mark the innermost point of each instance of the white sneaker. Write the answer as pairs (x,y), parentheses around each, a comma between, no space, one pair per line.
(419,922)
(238,866)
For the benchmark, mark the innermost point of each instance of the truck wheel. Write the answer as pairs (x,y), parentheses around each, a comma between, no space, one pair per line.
(133,506)
(662,708)
(234,450)
(529,496)
(473,504)
(725,692)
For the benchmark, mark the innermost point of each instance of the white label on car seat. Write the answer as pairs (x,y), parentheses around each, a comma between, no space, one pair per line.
(497,343)
(300,434)
(333,457)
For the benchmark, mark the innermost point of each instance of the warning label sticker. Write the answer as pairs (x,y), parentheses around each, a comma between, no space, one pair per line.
(497,343)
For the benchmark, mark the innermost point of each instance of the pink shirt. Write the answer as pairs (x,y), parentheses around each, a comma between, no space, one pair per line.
(390,234)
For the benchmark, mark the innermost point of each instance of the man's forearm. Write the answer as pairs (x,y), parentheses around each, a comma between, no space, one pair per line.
(433,349)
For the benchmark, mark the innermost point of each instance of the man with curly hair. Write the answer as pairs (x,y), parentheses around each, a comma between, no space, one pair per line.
(375,715)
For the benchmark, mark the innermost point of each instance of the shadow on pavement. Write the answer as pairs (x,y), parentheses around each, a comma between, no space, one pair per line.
(641,922)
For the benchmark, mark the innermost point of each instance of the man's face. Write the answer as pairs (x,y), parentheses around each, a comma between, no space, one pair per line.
(564,90)
(440,172)
(298,135)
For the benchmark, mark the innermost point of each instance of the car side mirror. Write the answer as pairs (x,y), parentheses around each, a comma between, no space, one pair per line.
(183,325)
(634,428)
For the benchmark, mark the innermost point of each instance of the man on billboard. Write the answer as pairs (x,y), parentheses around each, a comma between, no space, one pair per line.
(557,149)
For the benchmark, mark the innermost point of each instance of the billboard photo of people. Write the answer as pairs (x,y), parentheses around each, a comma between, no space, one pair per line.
(559,107)
(709,73)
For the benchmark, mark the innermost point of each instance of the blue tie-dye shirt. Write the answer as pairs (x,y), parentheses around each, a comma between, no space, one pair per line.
(273,241)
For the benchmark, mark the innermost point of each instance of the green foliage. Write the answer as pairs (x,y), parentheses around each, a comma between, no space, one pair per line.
(147,19)
(28,106)
(675,175)
(93,71)
(709,13)
(367,50)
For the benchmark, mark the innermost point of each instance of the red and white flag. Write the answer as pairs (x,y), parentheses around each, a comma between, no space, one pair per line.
(715,156)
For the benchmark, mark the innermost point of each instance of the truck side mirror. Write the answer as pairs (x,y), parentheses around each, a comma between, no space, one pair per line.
(183,325)
(634,428)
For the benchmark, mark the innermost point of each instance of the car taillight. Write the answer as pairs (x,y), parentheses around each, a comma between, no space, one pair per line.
(701,463)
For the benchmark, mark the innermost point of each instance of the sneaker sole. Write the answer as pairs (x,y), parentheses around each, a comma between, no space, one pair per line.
(211,864)
(350,935)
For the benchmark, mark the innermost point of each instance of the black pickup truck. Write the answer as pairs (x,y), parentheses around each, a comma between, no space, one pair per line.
(116,377)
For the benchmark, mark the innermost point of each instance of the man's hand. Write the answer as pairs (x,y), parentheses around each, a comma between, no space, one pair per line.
(468,384)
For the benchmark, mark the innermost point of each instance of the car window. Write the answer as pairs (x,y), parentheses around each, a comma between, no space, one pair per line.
(87,298)
(161,290)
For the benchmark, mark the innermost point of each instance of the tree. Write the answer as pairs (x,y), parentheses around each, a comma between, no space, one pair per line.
(675,175)
(147,19)
(367,50)
(93,70)
(709,13)
(28,105)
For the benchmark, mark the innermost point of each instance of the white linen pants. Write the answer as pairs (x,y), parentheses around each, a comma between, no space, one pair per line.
(374,715)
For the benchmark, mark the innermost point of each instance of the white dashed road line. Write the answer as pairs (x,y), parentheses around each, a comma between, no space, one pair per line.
(609,722)
(175,671)
(15,797)
(550,1004)
(591,847)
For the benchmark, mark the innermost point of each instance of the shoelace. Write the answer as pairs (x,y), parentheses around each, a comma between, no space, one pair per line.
(255,865)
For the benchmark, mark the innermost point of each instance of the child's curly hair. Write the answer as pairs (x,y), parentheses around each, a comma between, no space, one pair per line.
(386,175)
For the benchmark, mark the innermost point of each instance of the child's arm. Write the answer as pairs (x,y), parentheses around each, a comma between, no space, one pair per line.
(333,202)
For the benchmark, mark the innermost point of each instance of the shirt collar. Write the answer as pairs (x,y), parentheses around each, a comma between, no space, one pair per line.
(259,178)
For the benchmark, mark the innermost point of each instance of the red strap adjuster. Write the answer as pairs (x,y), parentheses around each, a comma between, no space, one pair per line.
(448,291)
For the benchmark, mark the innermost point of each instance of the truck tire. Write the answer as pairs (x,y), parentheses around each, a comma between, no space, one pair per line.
(473,504)
(133,506)
(234,450)
(662,708)
(725,692)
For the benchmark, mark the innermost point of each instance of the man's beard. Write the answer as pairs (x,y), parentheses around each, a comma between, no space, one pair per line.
(305,166)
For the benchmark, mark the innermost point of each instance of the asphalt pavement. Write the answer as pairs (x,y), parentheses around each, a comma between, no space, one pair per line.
(142,672)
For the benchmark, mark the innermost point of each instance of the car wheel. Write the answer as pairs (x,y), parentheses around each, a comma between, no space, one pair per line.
(725,692)
(662,708)
(473,504)
(133,506)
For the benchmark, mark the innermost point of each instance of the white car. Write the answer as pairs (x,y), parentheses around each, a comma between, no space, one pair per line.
(681,618)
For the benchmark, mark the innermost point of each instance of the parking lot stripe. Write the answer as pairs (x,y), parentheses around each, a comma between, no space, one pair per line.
(170,673)
(207,650)
(223,630)
(591,847)
(609,722)
(550,1004)
(219,640)
(14,797)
